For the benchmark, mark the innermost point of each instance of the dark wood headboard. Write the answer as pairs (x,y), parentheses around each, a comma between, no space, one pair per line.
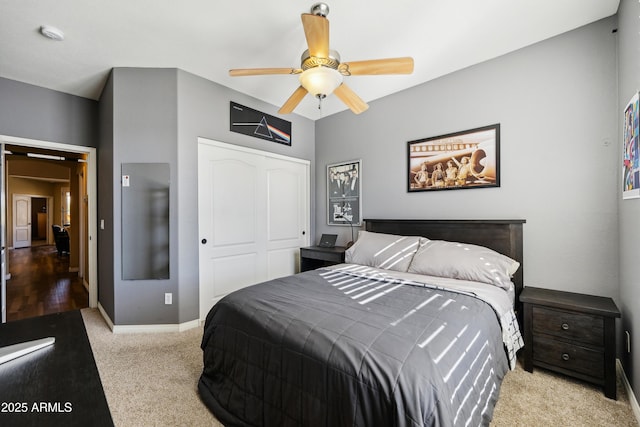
(504,236)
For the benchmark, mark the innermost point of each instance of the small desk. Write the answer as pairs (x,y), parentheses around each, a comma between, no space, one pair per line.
(57,385)
(313,257)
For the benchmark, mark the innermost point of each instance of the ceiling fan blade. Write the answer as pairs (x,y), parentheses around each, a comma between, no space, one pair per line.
(262,71)
(349,97)
(378,66)
(293,101)
(316,30)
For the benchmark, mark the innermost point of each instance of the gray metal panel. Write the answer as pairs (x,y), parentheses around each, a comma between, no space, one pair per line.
(145,221)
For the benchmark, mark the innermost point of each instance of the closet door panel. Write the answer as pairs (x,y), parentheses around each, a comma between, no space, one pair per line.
(253,217)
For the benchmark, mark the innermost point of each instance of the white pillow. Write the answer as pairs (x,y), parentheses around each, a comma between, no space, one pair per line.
(464,261)
(381,250)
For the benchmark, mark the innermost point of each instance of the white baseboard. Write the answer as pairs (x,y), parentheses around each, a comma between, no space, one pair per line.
(105,316)
(74,269)
(627,386)
(147,329)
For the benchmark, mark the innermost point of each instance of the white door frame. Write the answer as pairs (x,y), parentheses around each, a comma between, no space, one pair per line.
(81,214)
(92,201)
(50,221)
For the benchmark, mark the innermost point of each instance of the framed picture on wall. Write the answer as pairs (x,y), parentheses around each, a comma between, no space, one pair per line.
(630,150)
(344,189)
(466,159)
(257,124)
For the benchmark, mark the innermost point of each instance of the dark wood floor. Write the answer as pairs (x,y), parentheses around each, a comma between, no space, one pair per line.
(41,283)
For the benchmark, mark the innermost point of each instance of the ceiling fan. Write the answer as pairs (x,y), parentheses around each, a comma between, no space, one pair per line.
(321,72)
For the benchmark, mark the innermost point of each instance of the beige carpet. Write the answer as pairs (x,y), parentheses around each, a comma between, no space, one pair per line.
(151,380)
(543,398)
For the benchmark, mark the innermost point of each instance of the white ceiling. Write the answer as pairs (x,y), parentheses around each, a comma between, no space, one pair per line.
(207,38)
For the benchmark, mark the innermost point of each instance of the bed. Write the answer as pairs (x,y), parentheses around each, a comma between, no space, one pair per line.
(417,328)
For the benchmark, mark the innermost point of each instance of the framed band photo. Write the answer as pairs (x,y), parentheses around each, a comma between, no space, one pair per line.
(344,189)
(467,159)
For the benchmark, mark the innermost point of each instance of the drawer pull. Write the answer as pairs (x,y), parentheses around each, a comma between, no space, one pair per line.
(565,326)
(565,356)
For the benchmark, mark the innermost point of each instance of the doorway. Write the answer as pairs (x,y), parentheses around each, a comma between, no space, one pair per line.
(31,219)
(84,228)
(39,221)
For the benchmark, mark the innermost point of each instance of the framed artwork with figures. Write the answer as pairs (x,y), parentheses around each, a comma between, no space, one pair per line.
(344,189)
(467,159)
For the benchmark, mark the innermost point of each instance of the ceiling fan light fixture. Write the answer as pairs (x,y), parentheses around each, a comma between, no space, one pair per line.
(320,81)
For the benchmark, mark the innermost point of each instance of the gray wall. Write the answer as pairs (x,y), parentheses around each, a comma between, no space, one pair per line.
(157,116)
(556,103)
(629,210)
(33,112)
(145,123)
(203,111)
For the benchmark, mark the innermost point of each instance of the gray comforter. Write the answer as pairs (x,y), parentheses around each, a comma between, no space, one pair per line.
(340,348)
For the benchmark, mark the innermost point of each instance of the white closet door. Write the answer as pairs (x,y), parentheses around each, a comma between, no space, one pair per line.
(253,217)
(287,216)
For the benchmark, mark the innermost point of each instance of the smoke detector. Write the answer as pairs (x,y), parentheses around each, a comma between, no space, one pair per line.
(52,33)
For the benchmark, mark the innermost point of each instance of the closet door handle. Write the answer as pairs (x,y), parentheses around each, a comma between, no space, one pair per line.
(204,241)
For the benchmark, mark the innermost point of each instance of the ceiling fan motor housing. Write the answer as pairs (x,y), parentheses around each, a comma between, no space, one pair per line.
(320,9)
(308,61)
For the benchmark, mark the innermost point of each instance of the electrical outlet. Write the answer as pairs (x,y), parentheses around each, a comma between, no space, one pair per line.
(168,297)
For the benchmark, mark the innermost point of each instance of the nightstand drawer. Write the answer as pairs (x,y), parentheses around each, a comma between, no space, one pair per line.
(568,356)
(313,257)
(321,255)
(568,325)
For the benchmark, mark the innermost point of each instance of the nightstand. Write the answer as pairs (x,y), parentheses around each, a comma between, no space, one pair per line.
(572,334)
(313,257)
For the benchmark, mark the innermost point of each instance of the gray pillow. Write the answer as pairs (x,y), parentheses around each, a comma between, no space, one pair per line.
(381,250)
(464,261)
